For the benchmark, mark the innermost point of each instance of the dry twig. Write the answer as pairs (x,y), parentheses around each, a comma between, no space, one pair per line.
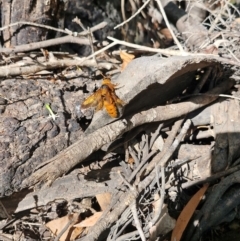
(25,69)
(133,207)
(85,32)
(162,195)
(169,27)
(160,155)
(45,44)
(133,16)
(33,24)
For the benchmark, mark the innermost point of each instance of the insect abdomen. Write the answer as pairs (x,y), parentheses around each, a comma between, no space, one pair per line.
(112,110)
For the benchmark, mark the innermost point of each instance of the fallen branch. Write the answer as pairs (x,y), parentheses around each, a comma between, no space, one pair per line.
(71,38)
(79,151)
(36,67)
(169,26)
(45,44)
(33,24)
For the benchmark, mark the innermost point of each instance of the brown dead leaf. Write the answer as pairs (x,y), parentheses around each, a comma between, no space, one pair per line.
(130,161)
(167,34)
(104,200)
(89,222)
(57,225)
(211,49)
(126,58)
(187,213)
(77,231)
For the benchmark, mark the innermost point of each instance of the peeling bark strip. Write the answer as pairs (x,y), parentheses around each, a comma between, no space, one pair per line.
(152,81)
(80,150)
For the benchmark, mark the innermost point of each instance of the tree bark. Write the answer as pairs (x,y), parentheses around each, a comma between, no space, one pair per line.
(41,12)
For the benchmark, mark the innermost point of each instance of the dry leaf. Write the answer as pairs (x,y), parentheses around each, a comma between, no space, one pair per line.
(126,58)
(89,222)
(187,213)
(104,200)
(77,231)
(211,49)
(166,33)
(57,225)
(130,161)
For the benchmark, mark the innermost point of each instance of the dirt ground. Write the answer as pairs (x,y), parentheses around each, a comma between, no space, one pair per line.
(119,120)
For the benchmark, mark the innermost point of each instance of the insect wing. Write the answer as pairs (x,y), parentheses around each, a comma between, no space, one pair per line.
(93,100)
(118,101)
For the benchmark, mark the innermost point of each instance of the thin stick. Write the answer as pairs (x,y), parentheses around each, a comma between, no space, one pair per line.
(144,48)
(161,51)
(169,27)
(148,49)
(211,178)
(213,25)
(85,32)
(134,156)
(147,156)
(122,229)
(137,222)
(160,155)
(233,55)
(176,143)
(128,236)
(90,37)
(78,21)
(94,28)
(134,15)
(101,50)
(123,9)
(46,43)
(127,183)
(162,194)
(126,152)
(142,163)
(155,135)
(134,208)
(30,69)
(202,94)
(33,24)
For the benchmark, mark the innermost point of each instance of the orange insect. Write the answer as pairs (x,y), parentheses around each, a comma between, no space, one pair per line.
(105,97)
